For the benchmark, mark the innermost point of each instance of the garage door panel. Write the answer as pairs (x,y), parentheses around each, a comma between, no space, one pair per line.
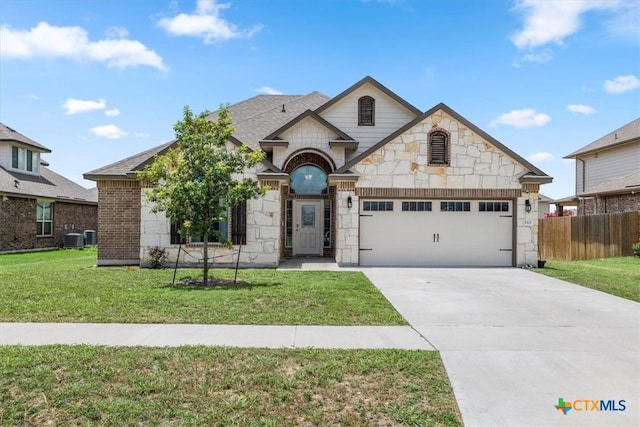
(436,238)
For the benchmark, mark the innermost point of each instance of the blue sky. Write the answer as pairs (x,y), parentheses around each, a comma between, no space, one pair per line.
(96,81)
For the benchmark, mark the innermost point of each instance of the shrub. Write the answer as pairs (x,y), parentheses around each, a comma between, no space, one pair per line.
(157,256)
(636,249)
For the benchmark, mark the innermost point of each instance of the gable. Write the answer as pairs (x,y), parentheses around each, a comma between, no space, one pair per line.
(476,160)
(391,113)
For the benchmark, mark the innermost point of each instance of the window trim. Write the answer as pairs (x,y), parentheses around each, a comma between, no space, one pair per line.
(30,160)
(366,117)
(40,204)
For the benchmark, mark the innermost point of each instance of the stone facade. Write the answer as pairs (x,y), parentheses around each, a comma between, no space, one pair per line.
(609,204)
(18,223)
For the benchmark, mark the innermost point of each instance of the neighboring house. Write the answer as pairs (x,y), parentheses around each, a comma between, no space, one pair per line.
(608,172)
(364,177)
(544,205)
(38,206)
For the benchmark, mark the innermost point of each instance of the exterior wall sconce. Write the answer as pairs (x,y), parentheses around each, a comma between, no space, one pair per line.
(527,205)
(349,202)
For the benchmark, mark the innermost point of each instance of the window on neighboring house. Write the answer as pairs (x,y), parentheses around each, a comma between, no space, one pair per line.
(438,149)
(238,234)
(366,111)
(44,215)
(24,159)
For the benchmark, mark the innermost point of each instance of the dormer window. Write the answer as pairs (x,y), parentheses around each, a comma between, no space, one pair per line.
(366,111)
(25,160)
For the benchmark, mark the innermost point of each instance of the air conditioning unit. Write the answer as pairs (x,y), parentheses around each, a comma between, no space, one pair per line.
(90,238)
(74,241)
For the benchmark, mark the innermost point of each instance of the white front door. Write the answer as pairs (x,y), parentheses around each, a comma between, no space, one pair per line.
(307,227)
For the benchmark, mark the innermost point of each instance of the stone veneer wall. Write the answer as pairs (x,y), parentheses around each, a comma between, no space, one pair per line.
(261,249)
(18,223)
(118,222)
(474,164)
(347,250)
(609,204)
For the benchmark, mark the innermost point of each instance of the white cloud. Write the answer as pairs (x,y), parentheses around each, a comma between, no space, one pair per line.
(541,157)
(268,91)
(108,131)
(205,22)
(75,106)
(581,108)
(117,33)
(550,21)
(47,41)
(626,22)
(622,84)
(112,112)
(524,118)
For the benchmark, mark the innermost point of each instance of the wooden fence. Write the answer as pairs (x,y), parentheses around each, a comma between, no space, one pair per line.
(588,236)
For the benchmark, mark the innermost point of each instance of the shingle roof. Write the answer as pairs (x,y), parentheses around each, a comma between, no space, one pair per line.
(8,134)
(624,134)
(623,184)
(48,185)
(253,119)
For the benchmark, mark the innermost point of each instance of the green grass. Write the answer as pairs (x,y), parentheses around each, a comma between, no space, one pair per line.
(616,276)
(65,286)
(84,385)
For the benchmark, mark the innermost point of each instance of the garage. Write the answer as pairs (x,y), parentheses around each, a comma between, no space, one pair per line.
(446,233)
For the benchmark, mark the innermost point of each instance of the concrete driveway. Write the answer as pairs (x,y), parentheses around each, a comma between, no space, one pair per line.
(514,342)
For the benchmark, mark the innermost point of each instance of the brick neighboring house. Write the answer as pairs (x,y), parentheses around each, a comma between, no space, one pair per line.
(38,206)
(364,178)
(608,172)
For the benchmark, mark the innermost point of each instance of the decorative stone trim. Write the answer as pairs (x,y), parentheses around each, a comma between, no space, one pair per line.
(530,187)
(447,193)
(298,159)
(346,185)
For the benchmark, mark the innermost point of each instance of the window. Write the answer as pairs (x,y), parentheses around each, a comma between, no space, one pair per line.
(308,179)
(375,205)
(493,206)
(438,150)
(288,221)
(416,206)
(238,233)
(455,206)
(327,224)
(24,159)
(43,218)
(366,111)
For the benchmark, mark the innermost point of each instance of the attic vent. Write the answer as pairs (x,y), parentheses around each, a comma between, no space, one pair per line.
(74,241)
(283,110)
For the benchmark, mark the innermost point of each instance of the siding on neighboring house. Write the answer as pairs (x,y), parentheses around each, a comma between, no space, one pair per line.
(605,165)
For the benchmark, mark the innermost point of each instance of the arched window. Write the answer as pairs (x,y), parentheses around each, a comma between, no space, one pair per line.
(438,149)
(366,111)
(308,179)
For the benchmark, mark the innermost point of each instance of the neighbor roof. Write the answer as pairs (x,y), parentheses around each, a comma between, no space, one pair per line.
(8,134)
(623,184)
(622,135)
(48,185)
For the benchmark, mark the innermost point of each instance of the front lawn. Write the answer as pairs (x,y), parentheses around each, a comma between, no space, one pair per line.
(115,386)
(65,286)
(616,276)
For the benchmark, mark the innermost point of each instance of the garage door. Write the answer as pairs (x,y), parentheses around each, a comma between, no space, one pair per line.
(436,233)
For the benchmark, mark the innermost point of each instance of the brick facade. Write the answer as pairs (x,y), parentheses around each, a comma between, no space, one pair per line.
(18,223)
(119,222)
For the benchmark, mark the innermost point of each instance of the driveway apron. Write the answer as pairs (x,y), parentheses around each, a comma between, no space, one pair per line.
(514,342)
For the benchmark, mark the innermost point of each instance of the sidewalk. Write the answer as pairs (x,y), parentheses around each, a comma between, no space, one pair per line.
(173,335)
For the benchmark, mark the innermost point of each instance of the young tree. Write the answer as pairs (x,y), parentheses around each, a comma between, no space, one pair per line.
(197,183)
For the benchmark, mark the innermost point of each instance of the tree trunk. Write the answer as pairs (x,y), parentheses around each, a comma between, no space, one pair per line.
(205,271)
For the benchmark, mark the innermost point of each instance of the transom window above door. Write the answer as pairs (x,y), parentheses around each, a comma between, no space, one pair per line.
(308,179)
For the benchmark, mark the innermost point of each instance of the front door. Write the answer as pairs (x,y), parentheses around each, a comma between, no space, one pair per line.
(307,227)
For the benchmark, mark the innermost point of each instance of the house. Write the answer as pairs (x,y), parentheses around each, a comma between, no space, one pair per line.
(363,177)
(544,205)
(608,172)
(38,206)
